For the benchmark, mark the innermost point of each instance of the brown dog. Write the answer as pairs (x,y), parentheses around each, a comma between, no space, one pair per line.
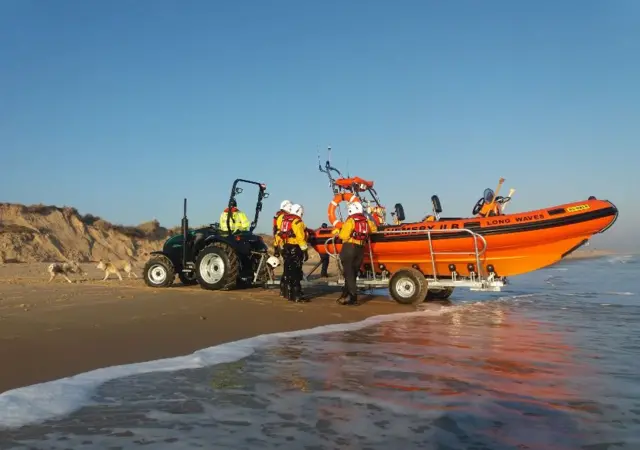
(115,267)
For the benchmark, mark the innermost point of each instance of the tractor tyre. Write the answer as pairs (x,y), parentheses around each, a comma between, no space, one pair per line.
(158,272)
(217,267)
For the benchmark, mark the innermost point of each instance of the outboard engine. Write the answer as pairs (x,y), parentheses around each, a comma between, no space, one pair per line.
(437,207)
(398,212)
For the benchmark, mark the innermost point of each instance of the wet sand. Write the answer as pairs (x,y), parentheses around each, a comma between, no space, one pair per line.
(53,330)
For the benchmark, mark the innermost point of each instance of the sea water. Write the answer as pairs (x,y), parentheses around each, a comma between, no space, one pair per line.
(554,363)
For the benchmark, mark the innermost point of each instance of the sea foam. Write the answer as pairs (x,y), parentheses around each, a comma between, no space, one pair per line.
(44,401)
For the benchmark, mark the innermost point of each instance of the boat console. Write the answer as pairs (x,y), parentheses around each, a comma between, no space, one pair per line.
(488,197)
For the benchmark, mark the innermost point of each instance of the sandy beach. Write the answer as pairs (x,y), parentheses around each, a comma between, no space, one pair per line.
(53,330)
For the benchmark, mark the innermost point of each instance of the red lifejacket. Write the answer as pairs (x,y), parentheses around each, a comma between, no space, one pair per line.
(275,221)
(286,231)
(361,227)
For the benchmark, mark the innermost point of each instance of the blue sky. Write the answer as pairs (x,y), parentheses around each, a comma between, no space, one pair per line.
(122,108)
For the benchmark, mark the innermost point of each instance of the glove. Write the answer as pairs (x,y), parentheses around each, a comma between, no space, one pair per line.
(276,252)
(305,258)
(336,231)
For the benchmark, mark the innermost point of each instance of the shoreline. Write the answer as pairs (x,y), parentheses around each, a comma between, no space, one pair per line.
(55,330)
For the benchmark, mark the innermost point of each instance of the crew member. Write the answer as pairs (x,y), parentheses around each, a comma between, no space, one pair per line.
(324,258)
(285,208)
(490,209)
(353,234)
(293,244)
(238,220)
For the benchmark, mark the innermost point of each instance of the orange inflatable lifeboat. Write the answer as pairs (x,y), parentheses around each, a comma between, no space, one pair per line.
(490,243)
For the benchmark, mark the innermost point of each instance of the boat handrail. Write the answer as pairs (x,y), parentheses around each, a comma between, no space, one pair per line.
(477,252)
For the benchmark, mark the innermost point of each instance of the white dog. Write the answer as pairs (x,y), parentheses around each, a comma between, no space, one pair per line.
(115,267)
(63,269)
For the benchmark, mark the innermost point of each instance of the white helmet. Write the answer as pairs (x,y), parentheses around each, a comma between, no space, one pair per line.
(354,208)
(286,206)
(297,210)
(273,261)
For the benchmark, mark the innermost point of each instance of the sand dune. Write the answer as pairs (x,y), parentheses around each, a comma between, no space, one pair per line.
(39,233)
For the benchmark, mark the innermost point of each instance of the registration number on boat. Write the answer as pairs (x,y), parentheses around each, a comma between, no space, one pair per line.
(577,208)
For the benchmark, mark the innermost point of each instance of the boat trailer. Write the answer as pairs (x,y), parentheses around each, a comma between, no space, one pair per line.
(408,285)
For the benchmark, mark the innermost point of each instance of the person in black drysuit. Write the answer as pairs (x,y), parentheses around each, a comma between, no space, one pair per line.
(292,244)
(324,258)
(354,233)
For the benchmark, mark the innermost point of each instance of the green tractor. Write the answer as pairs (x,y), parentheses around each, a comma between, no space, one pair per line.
(213,258)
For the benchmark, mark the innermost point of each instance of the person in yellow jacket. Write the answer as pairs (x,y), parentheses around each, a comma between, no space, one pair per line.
(238,220)
(285,208)
(292,243)
(353,234)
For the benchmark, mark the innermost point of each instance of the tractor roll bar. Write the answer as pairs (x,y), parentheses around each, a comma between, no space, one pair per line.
(262,194)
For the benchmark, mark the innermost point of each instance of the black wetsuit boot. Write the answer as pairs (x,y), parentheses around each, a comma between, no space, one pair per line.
(293,266)
(344,294)
(287,273)
(284,286)
(324,272)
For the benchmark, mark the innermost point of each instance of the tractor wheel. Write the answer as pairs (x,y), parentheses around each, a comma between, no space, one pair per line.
(188,279)
(439,294)
(408,286)
(159,272)
(217,267)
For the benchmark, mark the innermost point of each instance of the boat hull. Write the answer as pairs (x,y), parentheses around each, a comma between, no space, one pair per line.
(507,245)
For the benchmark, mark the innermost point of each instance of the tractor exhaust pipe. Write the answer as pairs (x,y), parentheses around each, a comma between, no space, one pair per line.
(185,232)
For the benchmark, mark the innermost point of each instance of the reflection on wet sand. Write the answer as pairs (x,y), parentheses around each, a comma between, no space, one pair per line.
(479,361)
(289,375)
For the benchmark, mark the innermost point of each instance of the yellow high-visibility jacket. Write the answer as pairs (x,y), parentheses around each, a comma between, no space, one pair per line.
(348,226)
(238,220)
(298,227)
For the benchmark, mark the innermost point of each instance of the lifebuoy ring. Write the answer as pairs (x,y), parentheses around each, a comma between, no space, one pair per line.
(331,212)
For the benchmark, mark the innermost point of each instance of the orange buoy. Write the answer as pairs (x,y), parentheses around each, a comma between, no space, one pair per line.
(331,212)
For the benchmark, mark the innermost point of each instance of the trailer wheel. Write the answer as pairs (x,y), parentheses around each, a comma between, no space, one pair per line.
(408,286)
(439,294)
